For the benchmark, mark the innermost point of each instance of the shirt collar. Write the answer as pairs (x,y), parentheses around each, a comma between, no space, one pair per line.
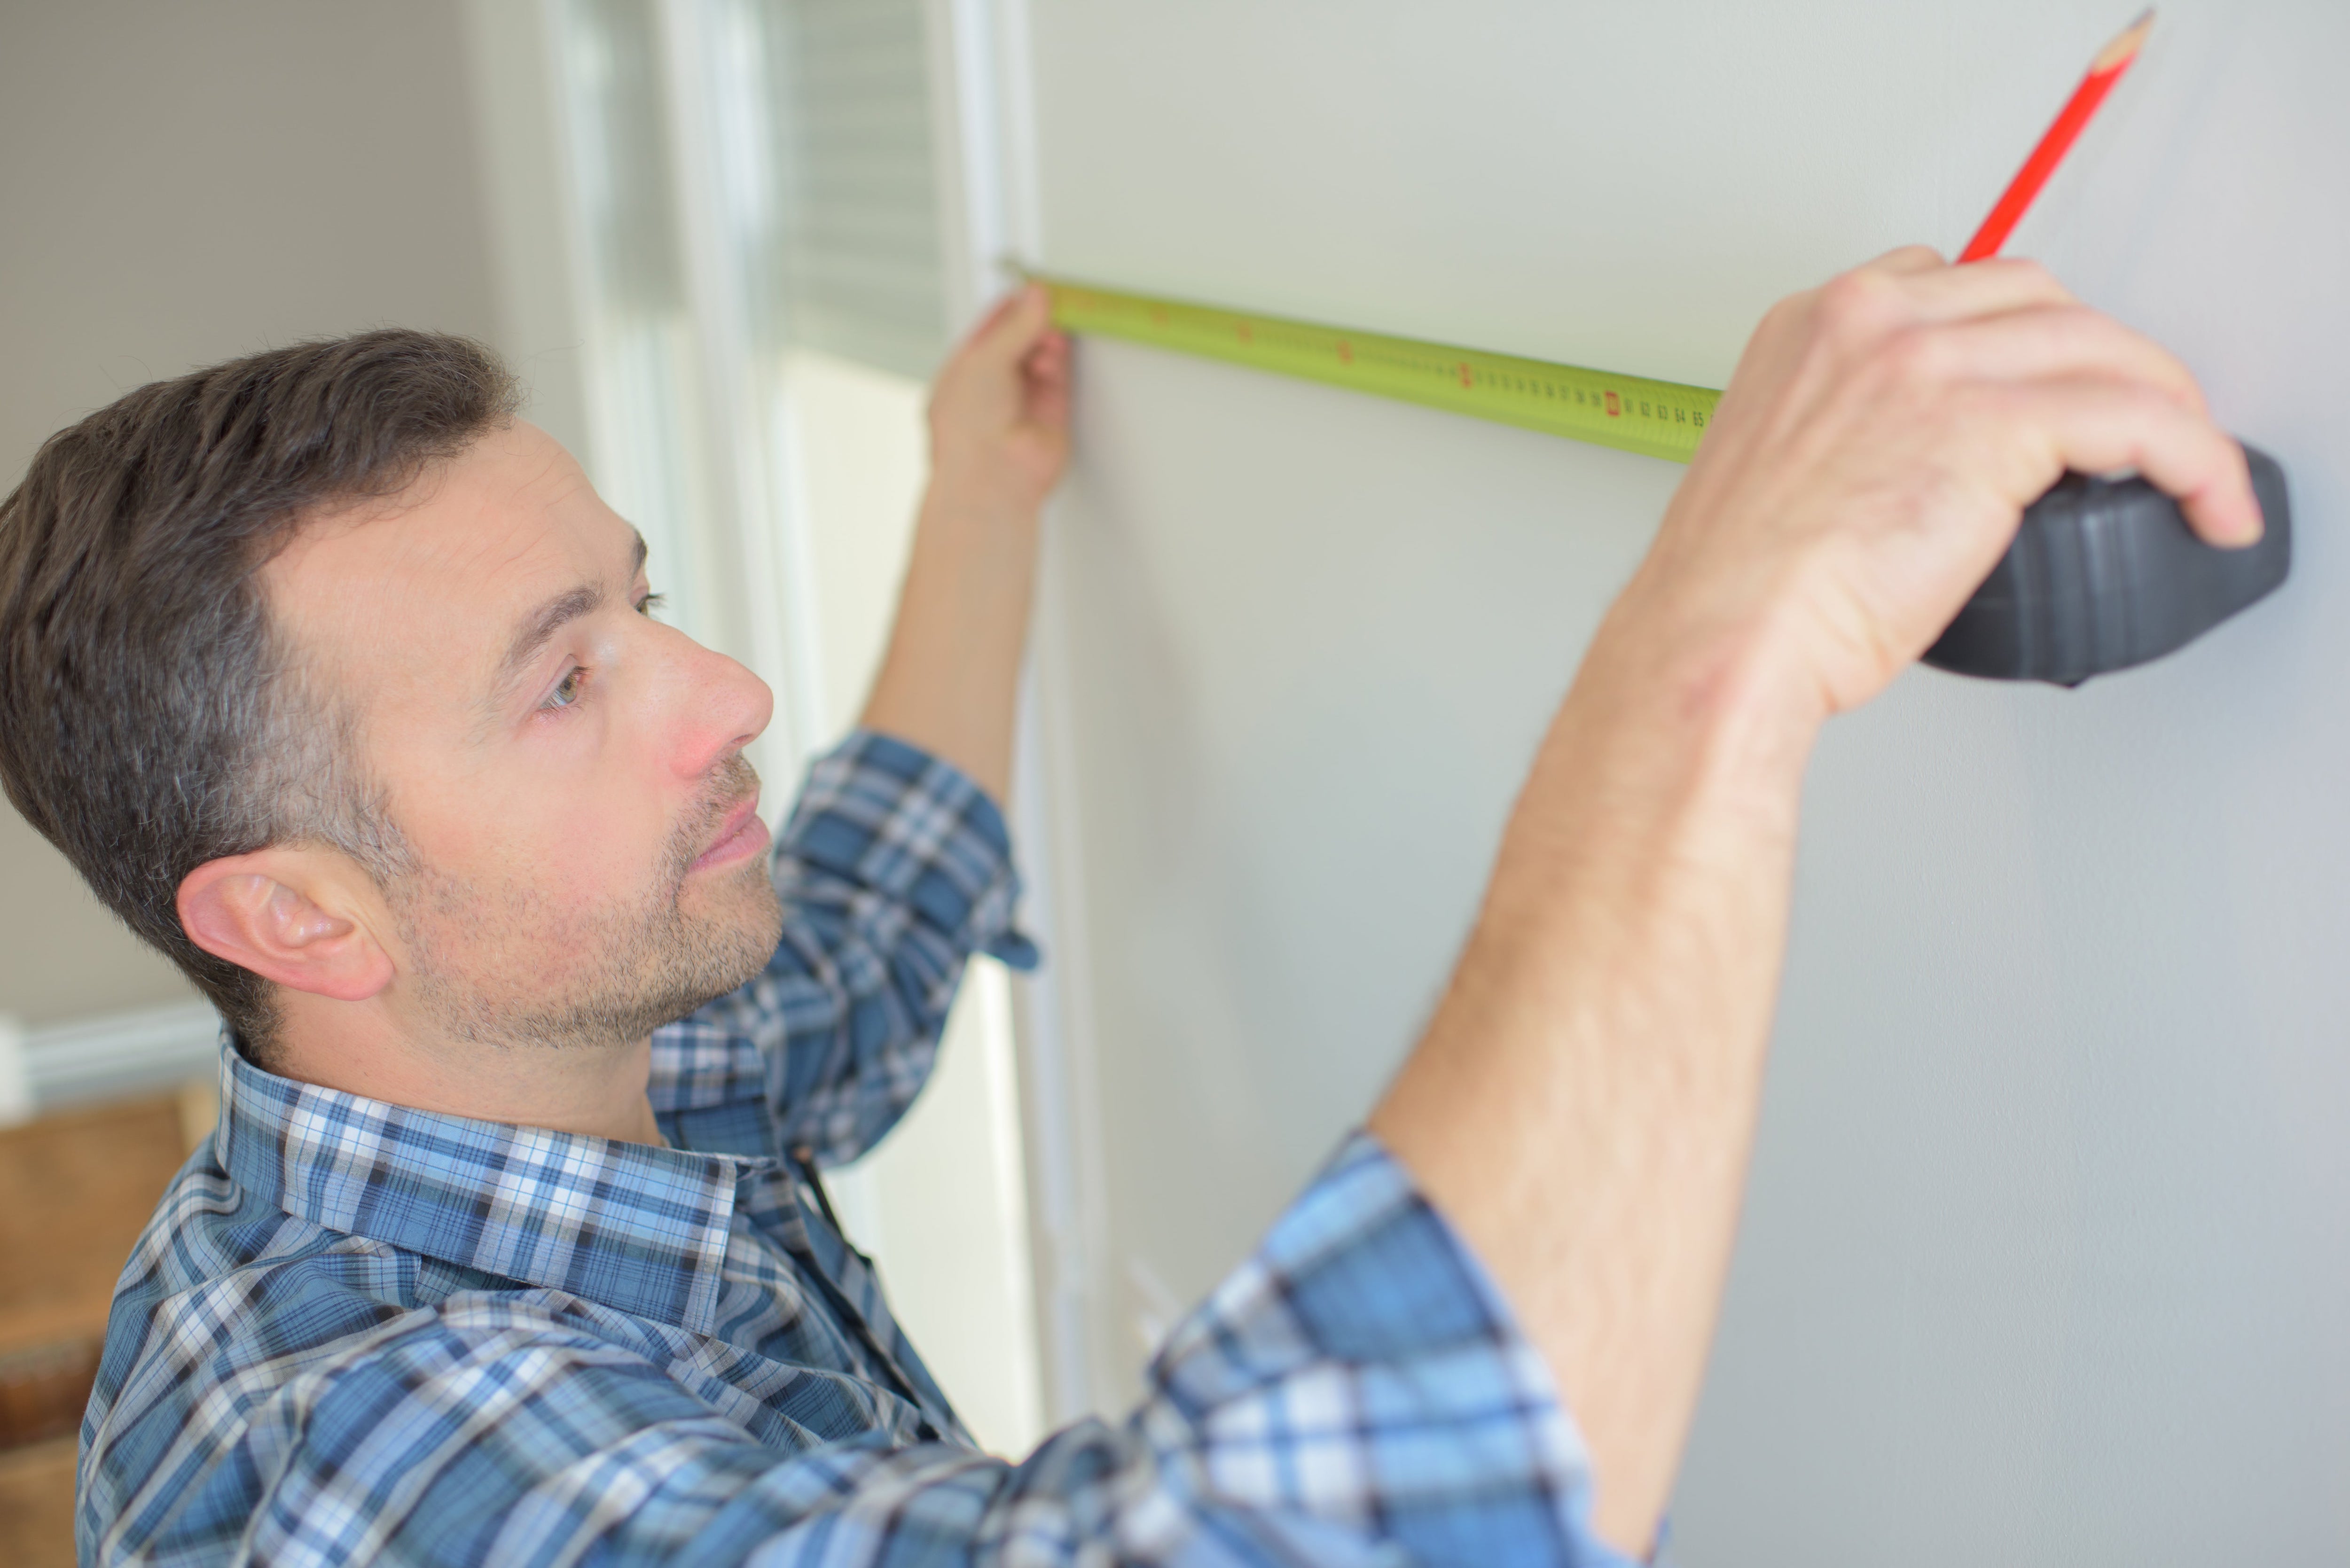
(635,1228)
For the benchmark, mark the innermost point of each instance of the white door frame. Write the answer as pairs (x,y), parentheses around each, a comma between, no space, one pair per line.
(985,124)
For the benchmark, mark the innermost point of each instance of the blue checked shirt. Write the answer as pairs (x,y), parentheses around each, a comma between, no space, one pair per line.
(357,1333)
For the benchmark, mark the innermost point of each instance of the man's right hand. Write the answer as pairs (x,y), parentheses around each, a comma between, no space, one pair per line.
(1881,435)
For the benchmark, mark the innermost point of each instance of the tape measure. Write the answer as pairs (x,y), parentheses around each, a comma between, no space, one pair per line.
(1659,419)
(2100,576)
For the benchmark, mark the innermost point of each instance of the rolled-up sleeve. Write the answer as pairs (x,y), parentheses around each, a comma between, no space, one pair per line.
(893,869)
(1356,1392)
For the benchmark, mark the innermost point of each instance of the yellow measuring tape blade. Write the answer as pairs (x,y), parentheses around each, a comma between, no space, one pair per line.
(1660,418)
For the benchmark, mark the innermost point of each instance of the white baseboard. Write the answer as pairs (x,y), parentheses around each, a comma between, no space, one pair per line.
(114,1054)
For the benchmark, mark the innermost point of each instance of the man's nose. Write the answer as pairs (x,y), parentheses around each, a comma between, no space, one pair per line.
(720,707)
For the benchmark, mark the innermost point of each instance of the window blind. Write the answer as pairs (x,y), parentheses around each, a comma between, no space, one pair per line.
(639,374)
(855,250)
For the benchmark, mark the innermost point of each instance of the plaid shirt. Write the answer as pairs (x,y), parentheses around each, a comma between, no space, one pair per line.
(357,1332)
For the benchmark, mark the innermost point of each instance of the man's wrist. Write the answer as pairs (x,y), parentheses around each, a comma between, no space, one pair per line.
(975,499)
(1719,700)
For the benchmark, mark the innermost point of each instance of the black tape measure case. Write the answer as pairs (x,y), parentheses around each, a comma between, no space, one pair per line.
(2106,574)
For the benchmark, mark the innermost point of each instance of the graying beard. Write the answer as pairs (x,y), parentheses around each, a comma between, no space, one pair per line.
(623,1004)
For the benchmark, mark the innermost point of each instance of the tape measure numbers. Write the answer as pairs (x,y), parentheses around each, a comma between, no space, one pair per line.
(1659,419)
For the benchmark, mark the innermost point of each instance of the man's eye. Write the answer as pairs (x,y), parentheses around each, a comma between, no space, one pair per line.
(651,602)
(565,695)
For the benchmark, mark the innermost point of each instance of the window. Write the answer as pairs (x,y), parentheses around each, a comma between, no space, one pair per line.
(758,246)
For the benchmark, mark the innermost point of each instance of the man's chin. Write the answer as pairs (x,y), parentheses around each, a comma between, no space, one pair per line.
(744,923)
(723,958)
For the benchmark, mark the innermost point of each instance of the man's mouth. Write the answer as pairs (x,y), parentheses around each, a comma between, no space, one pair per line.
(740,836)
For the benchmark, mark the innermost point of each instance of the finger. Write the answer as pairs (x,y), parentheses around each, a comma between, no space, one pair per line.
(2098,426)
(2040,342)
(1982,288)
(1048,405)
(1915,288)
(1048,371)
(979,338)
(1018,321)
(1048,362)
(995,343)
(996,312)
(1905,262)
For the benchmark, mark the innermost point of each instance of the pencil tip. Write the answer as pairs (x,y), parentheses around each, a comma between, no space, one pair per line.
(2124,46)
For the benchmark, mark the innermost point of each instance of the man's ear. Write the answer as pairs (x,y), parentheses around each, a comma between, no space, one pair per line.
(294,917)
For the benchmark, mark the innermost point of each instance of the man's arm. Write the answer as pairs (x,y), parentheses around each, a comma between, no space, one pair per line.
(895,867)
(1584,1100)
(999,440)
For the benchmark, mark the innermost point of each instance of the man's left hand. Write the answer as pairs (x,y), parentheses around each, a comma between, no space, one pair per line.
(1000,410)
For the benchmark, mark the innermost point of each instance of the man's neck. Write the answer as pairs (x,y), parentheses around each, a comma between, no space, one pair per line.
(596,1090)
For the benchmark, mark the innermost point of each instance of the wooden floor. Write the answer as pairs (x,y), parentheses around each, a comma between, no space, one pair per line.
(37,1504)
(76,1189)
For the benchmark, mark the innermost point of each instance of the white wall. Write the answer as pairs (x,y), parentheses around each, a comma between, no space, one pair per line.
(183,182)
(2044,1259)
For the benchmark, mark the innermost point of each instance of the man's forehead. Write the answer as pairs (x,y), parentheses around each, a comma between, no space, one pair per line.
(440,575)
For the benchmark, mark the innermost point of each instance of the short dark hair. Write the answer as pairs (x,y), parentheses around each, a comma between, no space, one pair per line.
(151,716)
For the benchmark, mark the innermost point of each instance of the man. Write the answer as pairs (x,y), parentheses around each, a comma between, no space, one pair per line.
(331,678)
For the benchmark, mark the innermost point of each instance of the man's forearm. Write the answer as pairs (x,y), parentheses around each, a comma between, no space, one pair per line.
(1582,1106)
(1584,1102)
(949,682)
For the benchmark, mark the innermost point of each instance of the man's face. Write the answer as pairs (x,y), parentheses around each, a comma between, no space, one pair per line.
(567,772)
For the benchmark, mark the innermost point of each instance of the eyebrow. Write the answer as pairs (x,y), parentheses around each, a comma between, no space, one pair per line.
(540,626)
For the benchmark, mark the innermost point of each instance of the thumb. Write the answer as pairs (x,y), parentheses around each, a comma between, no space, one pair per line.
(1014,325)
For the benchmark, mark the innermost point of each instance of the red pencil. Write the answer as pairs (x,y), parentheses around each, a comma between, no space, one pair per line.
(2104,71)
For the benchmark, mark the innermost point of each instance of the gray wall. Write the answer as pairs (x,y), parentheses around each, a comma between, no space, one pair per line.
(182,181)
(2044,1259)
